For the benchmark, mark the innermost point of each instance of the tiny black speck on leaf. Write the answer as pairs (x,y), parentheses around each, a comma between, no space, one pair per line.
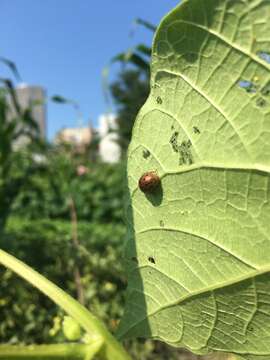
(261,102)
(159,100)
(196,130)
(151,260)
(146,154)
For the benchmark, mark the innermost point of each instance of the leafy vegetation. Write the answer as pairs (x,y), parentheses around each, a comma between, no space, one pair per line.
(129,93)
(46,245)
(49,195)
(131,89)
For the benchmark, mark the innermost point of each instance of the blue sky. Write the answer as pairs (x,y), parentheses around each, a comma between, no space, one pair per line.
(63,45)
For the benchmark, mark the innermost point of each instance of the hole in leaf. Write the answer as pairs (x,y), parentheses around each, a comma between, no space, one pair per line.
(247,85)
(264,56)
(255,79)
(151,260)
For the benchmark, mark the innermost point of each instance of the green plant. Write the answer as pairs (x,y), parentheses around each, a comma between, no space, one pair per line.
(131,88)
(49,192)
(198,253)
(17,163)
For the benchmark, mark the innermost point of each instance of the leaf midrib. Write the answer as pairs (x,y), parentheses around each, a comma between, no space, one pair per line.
(258,168)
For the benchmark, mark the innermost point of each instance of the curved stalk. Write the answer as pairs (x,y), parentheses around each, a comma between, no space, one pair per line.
(112,349)
(50,352)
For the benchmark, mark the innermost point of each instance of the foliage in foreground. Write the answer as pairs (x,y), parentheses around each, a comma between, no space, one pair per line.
(199,248)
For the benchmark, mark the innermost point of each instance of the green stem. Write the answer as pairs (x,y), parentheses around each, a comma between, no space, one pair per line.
(50,352)
(112,349)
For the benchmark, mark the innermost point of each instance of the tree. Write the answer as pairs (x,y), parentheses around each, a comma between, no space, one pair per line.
(129,93)
(131,89)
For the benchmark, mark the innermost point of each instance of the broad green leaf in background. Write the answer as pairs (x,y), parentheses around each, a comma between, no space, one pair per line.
(198,254)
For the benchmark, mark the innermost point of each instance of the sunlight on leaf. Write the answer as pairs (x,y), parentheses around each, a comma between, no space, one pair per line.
(198,253)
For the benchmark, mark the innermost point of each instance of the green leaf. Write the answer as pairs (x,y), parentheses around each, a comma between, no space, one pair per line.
(198,253)
(146,24)
(12,66)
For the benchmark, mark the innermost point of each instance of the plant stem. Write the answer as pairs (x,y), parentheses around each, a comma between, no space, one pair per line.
(50,352)
(76,244)
(113,350)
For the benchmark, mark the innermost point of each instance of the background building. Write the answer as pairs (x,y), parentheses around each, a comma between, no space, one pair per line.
(102,140)
(33,97)
(79,138)
(109,149)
